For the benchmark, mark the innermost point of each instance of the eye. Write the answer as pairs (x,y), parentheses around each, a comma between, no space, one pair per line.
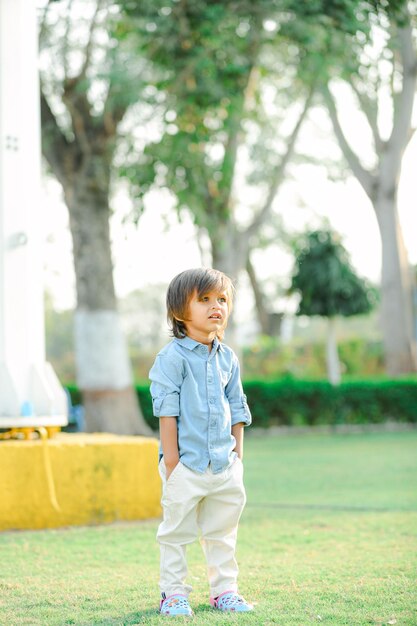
(222,300)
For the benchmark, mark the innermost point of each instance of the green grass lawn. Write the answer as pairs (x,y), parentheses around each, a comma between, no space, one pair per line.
(328,537)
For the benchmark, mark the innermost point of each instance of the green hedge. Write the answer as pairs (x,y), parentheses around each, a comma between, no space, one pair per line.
(300,403)
(291,402)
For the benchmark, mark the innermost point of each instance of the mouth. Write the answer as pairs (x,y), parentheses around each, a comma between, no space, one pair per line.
(215,316)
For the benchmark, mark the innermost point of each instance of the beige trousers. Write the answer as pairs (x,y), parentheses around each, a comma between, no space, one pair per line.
(194,503)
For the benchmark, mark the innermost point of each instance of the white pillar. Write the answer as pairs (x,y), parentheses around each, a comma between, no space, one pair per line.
(27,383)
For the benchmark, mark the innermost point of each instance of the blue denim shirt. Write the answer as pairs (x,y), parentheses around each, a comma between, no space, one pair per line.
(204,391)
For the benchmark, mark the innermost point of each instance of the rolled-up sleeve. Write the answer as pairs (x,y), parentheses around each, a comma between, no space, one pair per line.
(166,379)
(239,408)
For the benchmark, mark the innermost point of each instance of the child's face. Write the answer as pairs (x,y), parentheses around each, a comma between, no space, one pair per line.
(207,314)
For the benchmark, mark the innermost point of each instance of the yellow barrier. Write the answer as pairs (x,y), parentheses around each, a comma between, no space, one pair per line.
(95,478)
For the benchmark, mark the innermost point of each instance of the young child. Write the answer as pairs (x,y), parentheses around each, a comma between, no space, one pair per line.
(197,395)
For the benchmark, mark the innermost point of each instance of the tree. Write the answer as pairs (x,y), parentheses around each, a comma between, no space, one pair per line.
(217,123)
(88,85)
(385,69)
(328,287)
(220,59)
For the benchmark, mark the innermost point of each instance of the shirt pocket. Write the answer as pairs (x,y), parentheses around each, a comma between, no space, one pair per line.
(224,377)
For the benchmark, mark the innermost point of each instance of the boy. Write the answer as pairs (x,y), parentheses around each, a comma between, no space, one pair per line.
(197,395)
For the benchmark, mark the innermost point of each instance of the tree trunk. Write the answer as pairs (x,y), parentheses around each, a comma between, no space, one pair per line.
(231,246)
(396,290)
(80,151)
(269,322)
(381,186)
(262,312)
(228,249)
(104,373)
(332,356)
(227,256)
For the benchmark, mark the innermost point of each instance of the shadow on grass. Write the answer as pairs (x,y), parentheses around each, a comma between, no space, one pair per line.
(142,617)
(138,617)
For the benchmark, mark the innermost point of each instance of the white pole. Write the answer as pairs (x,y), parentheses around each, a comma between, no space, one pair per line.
(28,385)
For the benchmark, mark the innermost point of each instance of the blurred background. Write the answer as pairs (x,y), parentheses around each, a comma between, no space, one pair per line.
(271,140)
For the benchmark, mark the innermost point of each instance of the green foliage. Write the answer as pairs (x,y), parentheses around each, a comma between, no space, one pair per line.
(214,58)
(326,281)
(75,393)
(205,51)
(290,402)
(333,36)
(146,405)
(269,359)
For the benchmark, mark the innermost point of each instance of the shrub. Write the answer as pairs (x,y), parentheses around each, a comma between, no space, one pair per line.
(295,402)
(291,402)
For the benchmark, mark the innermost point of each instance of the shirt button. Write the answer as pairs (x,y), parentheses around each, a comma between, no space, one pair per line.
(212,400)
(209,380)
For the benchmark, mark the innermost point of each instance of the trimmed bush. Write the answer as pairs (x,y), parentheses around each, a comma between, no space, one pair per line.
(146,405)
(291,402)
(75,393)
(299,403)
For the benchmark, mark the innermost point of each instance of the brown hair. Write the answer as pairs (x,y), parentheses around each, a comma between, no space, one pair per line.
(183,286)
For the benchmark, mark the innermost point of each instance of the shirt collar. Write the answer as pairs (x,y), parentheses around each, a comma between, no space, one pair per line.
(191,344)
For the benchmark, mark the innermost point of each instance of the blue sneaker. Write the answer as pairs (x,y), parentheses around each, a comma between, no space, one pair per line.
(231,601)
(174,605)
